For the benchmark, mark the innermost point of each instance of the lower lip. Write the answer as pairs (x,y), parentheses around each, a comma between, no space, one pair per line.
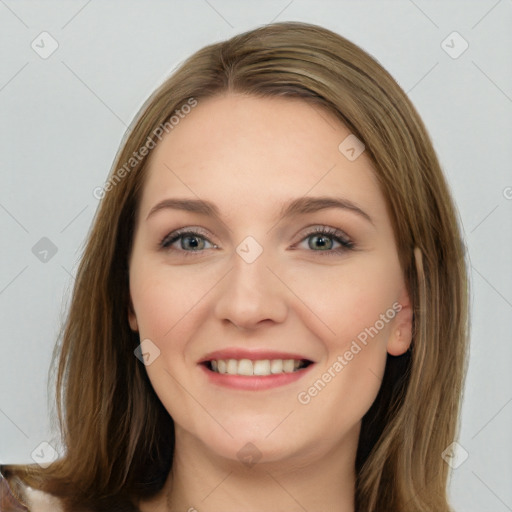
(255,382)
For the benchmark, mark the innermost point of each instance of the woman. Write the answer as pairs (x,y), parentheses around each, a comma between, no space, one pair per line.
(271,310)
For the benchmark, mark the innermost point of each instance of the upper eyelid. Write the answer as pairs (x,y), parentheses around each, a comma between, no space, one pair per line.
(176,234)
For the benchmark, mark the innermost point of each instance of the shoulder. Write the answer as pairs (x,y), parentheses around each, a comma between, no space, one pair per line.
(15,496)
(39,501)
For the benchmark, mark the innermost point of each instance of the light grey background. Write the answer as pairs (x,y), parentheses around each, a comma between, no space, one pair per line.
(63,117)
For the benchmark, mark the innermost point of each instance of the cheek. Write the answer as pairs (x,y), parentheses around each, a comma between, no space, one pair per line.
(356,304)
(163,298)
(347,381)
(169,309)
(350,302)
(171,306)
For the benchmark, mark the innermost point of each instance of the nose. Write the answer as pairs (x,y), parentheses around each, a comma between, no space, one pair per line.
(251,295)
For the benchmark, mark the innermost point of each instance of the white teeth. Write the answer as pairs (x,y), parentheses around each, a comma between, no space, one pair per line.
(261,367)
(232,367)
(288,365)
(276,366)
(245,366)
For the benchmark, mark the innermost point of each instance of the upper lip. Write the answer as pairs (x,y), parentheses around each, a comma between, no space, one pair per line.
(253,355)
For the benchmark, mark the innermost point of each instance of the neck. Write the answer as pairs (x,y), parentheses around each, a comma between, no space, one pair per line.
(201,480)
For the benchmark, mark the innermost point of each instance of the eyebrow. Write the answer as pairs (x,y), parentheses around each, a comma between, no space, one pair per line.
(299,206)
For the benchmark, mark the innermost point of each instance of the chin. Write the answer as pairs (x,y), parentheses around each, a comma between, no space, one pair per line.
(248,437)
(257,439)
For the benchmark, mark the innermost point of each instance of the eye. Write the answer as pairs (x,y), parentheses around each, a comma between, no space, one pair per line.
(324,239)
(320,239)
(189,241)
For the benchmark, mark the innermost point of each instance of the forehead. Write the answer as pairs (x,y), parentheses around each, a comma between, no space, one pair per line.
(247,153)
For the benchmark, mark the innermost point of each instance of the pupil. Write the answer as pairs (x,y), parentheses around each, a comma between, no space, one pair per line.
(322,241)
(192,242)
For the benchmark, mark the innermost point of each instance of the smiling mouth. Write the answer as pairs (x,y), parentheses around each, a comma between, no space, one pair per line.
(260,368)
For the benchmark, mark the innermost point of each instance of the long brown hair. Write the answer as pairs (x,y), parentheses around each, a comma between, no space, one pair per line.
(115,430)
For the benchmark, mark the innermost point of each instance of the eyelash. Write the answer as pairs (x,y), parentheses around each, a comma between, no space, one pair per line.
(334,234)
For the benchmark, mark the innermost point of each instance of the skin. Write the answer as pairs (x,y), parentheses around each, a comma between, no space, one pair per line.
(250,156)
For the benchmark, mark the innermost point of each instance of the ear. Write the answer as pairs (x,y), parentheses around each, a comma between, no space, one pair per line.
(400,337)
(132,318)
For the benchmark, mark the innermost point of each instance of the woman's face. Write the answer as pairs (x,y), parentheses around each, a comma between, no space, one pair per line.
(231,272)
